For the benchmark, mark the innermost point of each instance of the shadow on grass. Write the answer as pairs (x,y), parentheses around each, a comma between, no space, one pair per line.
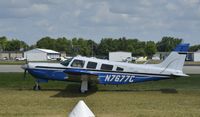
(73,90)
(167,91)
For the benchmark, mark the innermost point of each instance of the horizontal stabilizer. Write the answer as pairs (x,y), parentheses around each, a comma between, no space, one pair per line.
(181,75)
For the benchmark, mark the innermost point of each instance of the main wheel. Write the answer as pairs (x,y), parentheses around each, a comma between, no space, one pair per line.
(36,87)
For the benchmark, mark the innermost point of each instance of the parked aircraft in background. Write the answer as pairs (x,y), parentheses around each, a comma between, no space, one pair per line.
(141,59)
(108,72)
(20,59)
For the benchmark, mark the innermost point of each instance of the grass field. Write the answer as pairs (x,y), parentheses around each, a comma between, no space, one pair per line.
(169,98)
(22,62)
(12,62)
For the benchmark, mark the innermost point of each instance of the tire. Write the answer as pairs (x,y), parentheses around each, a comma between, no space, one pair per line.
(36,88)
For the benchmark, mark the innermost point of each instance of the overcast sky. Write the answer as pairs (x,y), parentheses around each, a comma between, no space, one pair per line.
(30,20)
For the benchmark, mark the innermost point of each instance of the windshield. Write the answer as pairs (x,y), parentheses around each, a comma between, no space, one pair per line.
(66,62)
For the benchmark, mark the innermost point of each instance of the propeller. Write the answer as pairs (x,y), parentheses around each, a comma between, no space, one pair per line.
(25,72)
(25,67)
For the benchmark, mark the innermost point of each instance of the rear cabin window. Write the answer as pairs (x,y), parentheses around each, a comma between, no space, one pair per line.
(119,69)
(106,67)
(91,65)
(78,63)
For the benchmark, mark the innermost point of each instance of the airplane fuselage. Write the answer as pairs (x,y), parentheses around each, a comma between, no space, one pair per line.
(109,72)
(104,71)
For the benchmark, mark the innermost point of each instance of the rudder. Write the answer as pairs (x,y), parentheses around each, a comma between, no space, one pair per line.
(176,58)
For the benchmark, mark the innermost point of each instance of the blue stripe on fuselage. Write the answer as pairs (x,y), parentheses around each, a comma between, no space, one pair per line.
(110,77)
(48,74)
(103,77)
(125,79)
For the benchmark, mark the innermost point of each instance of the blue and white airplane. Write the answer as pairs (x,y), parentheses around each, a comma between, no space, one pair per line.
(108,72)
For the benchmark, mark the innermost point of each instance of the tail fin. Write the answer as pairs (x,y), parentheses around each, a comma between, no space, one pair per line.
(176,58)
(182,47)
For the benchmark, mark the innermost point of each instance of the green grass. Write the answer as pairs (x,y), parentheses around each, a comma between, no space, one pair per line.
(192,63)
(12,62)
(180,98)
(22,62)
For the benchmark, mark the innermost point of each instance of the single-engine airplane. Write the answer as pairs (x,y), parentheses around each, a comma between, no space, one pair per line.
(108,72)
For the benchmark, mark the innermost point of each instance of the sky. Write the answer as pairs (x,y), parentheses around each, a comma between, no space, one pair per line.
(30,20)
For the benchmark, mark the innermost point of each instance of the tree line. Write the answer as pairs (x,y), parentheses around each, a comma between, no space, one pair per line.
(12,45)
(88,47)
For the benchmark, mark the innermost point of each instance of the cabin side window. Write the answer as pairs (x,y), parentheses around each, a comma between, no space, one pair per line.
(106,67)
(78,63)
(91,65)
(119,69)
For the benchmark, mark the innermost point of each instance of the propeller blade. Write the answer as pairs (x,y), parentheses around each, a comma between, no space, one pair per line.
(25,72)
(25,67)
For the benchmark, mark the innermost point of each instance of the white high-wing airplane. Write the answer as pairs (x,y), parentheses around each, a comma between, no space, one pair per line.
(108,72)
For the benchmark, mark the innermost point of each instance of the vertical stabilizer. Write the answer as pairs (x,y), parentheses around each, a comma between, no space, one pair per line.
(174,61)
(176,58)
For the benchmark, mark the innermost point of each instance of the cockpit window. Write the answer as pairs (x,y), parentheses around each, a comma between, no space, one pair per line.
(66,62)
(78,63)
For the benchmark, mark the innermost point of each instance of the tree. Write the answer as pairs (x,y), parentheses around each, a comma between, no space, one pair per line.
(122,44)
(3,42)
(32,47)
(13,45)
(23,46)
(194,48)
(104,47)
(150,48)
(46,42)
(93,47)
(167,44)
(62,44)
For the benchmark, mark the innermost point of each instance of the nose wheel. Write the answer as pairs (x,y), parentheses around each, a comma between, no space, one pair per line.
(36,87)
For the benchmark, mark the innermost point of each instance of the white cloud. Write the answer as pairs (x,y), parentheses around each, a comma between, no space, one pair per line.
(190,3)
(50,28)
(100,18)
(105,17)
(39,8)
(42,23)
(171,7)
(45,24)
(14,3)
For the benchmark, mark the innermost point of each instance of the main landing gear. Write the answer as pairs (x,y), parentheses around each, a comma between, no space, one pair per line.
(84,84)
